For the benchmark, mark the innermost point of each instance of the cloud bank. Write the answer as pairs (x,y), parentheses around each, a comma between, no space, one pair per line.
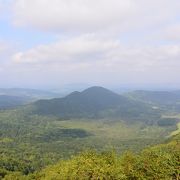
(96,41)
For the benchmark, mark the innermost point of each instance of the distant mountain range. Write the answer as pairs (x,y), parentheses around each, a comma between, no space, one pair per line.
(9,102)
(29,93)
(156,97)
(94,102)
(14,97)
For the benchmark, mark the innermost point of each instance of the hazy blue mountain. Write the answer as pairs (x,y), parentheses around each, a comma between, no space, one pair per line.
(94,102)
(87,102)
(28,93)
(8,102)
(177,92)
(158,97)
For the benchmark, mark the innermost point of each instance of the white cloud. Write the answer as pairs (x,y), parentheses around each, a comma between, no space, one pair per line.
(3,47)
(93,15)
(68,14)
(102,54)
(97,40)
(172,32)
(4,7)
(86,47)
(115,64)
(5,50)
(1,8)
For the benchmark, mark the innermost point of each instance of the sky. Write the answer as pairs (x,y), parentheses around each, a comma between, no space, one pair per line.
(51,43)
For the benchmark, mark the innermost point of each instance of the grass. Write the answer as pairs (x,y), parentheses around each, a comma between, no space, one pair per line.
(114,129)
(117,134)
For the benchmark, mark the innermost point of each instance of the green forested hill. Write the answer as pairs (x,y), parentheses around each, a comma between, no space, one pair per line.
(96,102)
(81,104)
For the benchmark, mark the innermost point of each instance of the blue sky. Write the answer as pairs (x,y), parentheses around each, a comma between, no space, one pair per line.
(47,44)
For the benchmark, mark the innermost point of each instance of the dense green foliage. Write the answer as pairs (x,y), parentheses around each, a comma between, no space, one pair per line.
(160,163)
